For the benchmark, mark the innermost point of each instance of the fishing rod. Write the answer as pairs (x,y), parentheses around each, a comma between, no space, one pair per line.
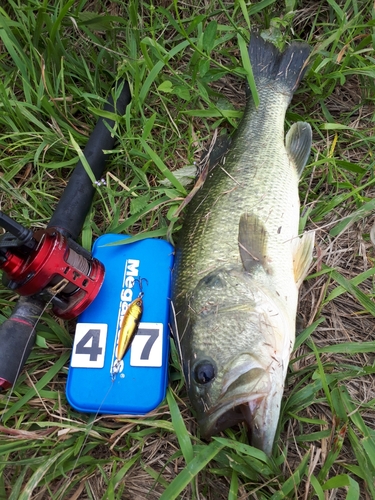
(48,265)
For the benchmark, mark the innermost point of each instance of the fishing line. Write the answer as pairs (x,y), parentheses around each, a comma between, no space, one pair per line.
(124,337)
(63,284)
(113,375)
(95,418)
(79,262)
(175,334)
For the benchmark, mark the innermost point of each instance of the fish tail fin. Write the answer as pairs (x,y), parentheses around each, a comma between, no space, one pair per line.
(286,68)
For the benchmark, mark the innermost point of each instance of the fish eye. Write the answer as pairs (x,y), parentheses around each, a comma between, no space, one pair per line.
(204,372)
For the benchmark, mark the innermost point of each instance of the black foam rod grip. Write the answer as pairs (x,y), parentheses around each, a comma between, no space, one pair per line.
(17,337)
(70,213)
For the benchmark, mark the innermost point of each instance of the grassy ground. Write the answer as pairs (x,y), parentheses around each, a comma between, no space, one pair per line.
(58,61)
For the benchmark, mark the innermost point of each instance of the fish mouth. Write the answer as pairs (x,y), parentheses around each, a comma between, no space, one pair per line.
(249,395)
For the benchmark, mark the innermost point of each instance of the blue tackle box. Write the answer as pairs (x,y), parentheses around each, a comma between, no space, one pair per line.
(140,381)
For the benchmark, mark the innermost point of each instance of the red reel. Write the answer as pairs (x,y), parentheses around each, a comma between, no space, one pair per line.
(53,268)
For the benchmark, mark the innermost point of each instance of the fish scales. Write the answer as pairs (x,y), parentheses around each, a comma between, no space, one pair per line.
(251,180)
(239,260)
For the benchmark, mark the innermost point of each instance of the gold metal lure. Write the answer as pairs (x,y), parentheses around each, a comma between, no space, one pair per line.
(129,327)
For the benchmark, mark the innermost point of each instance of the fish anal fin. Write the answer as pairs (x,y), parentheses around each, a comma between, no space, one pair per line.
(298,144)
(252,242)
(302,256)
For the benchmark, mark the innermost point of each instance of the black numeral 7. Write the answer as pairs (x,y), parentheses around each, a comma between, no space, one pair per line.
(153,334)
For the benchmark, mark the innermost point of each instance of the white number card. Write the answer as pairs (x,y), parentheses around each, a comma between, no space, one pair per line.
(147,346)
(89,345)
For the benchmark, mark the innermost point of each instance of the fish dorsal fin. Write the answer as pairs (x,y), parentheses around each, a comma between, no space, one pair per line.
(218,151)
(302,255)
(252,242)
(298,144)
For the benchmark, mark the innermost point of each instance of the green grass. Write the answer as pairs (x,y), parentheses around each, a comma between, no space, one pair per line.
(187,69)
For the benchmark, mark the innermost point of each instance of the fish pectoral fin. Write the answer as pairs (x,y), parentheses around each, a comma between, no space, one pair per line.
(298,144)
(302,256)
(252,242)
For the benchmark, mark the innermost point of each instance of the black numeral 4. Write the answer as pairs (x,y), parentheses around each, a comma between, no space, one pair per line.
(93,350)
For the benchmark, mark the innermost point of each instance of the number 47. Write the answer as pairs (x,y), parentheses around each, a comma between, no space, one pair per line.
(84,346)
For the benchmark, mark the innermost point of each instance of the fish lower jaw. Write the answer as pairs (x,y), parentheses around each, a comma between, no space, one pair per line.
(260,412)
(228,414)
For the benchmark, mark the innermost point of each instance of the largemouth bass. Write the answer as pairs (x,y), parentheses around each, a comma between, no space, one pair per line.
(240,260)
